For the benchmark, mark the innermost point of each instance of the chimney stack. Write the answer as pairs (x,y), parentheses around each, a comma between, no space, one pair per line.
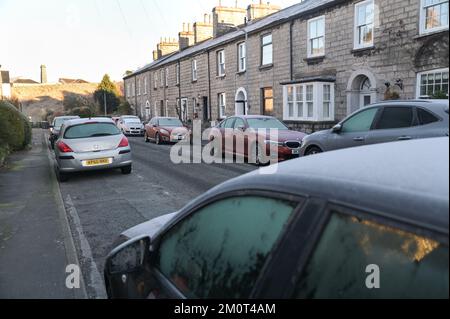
(203,30)
(186,38)
(165,47)
(258,11)
(225,19)
(43,74)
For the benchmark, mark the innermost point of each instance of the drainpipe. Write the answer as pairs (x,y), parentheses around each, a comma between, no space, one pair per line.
(291,51)
(246,107)
(135,95)
(179,91)
(209,89)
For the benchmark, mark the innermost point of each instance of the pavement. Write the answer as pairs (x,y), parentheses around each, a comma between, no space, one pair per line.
(35,242)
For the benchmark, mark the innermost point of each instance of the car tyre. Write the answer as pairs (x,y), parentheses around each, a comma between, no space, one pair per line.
(146,138)
(126,170)
(313,150)
(61,177)
(157,139)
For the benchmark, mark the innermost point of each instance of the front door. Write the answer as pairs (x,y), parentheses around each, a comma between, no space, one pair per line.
(205,108)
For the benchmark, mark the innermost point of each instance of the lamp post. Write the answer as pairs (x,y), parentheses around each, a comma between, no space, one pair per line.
(104,102)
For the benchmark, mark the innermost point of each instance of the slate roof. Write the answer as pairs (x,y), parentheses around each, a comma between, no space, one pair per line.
(282,16)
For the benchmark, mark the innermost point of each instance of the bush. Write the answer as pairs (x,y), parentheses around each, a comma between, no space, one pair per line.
(15,130)
(124,108)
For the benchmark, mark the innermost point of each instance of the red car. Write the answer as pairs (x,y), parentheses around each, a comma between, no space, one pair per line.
(239,127)
(165,129)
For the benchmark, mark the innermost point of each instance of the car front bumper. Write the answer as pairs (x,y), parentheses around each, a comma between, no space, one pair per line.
(73,162)
(134,132)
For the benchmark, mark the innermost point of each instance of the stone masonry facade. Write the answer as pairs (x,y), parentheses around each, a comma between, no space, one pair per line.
(399,59)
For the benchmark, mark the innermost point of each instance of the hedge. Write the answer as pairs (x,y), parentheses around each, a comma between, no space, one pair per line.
(15,130)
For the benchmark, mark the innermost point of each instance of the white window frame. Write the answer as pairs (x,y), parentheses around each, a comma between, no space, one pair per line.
(222,97)
(194,70)
(419,78)
(167,77)
(242,57)
(311,55)
(266,45)
(423,16)
(220,63)
(356,43)
(318,102)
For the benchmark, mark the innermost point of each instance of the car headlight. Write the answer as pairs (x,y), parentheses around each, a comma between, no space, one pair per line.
(270,142)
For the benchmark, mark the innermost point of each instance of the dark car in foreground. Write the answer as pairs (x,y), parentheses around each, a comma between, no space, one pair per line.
(56,127)
(235,131)
(369,222)
(383,122)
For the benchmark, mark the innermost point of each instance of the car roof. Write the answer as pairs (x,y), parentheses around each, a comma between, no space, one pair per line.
(88,120)
(406,180)
(67,117)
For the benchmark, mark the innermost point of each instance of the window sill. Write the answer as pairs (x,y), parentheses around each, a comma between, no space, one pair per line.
(221,76)
(430,33)
(362,50)
(266,67)
(194,81)
(241,72)
(314,59)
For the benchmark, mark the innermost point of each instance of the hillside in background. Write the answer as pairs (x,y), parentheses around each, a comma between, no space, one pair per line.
(37,100)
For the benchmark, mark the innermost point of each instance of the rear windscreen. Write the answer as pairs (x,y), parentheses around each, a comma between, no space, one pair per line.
(91,130)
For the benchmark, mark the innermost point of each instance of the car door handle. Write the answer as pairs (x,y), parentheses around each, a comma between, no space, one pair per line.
(405,138)
(359,139)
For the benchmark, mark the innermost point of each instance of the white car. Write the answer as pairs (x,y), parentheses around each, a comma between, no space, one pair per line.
(129,125)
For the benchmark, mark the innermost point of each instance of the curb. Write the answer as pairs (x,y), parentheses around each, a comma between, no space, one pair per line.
(71,252)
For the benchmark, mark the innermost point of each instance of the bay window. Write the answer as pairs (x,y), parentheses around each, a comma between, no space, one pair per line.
(312,101)
(364,24)
(316,37)
(433,15)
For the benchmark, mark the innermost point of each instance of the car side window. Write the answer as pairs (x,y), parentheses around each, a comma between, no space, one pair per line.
(360,122)
(219,251)
(350,250)
(425,117)
(395,117)
(239,122)
(229,123)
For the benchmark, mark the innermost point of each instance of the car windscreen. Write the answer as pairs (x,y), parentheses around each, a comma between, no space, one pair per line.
(89,130)
(170,122)
(132,121)
(266,123)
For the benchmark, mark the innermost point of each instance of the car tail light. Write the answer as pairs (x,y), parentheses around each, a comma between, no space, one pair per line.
(124,142)
(64,148)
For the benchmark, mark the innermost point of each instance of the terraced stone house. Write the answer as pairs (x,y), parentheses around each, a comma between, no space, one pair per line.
(310,65)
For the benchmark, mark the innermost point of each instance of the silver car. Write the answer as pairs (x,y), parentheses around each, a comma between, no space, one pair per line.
(56,127)
(91,144)
(381,123)
(131,126)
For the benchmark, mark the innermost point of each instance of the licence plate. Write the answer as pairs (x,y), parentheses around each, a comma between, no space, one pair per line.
(97,162)
(295,152)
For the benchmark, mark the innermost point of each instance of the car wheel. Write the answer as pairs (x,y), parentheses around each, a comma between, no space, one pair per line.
(146,138)
(61,177)
(255,158)
(313,150)
(126,170)
(157,139)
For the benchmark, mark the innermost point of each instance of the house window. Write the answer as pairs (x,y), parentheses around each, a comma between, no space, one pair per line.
(177,72)
(433,15)
(161,78)
(432,83)
(221,63)
(266,50)
(167,77)
(364,24)
(267,99)
(222,105)
(156,80)
(242,55)
(313,101)
(194,70)
(145,85)
(316,37)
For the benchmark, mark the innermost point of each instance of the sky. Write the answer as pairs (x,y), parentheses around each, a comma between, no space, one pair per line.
(88,38)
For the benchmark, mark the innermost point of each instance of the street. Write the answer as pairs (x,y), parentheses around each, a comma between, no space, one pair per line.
(103,204)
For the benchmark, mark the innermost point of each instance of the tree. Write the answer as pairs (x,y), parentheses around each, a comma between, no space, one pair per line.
(125,108)
(107,89)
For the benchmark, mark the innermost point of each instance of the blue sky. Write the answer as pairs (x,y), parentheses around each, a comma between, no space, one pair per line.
(87,38)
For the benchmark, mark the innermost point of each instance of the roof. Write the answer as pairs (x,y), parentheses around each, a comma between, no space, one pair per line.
(25,81)
(63,80)
(282,16)
(407,181)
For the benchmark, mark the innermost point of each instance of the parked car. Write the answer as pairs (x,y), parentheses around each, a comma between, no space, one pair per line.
(56,127)
(91,144)
(131,126)
(383,122)
(329,226)
(165,129)
(234,129)
(116,119)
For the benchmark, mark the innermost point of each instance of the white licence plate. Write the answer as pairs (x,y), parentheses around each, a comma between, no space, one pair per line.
(295,152)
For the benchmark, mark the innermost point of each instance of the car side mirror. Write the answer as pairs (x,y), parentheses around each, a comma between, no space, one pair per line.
(337,128)
(128,257)
(241,128)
